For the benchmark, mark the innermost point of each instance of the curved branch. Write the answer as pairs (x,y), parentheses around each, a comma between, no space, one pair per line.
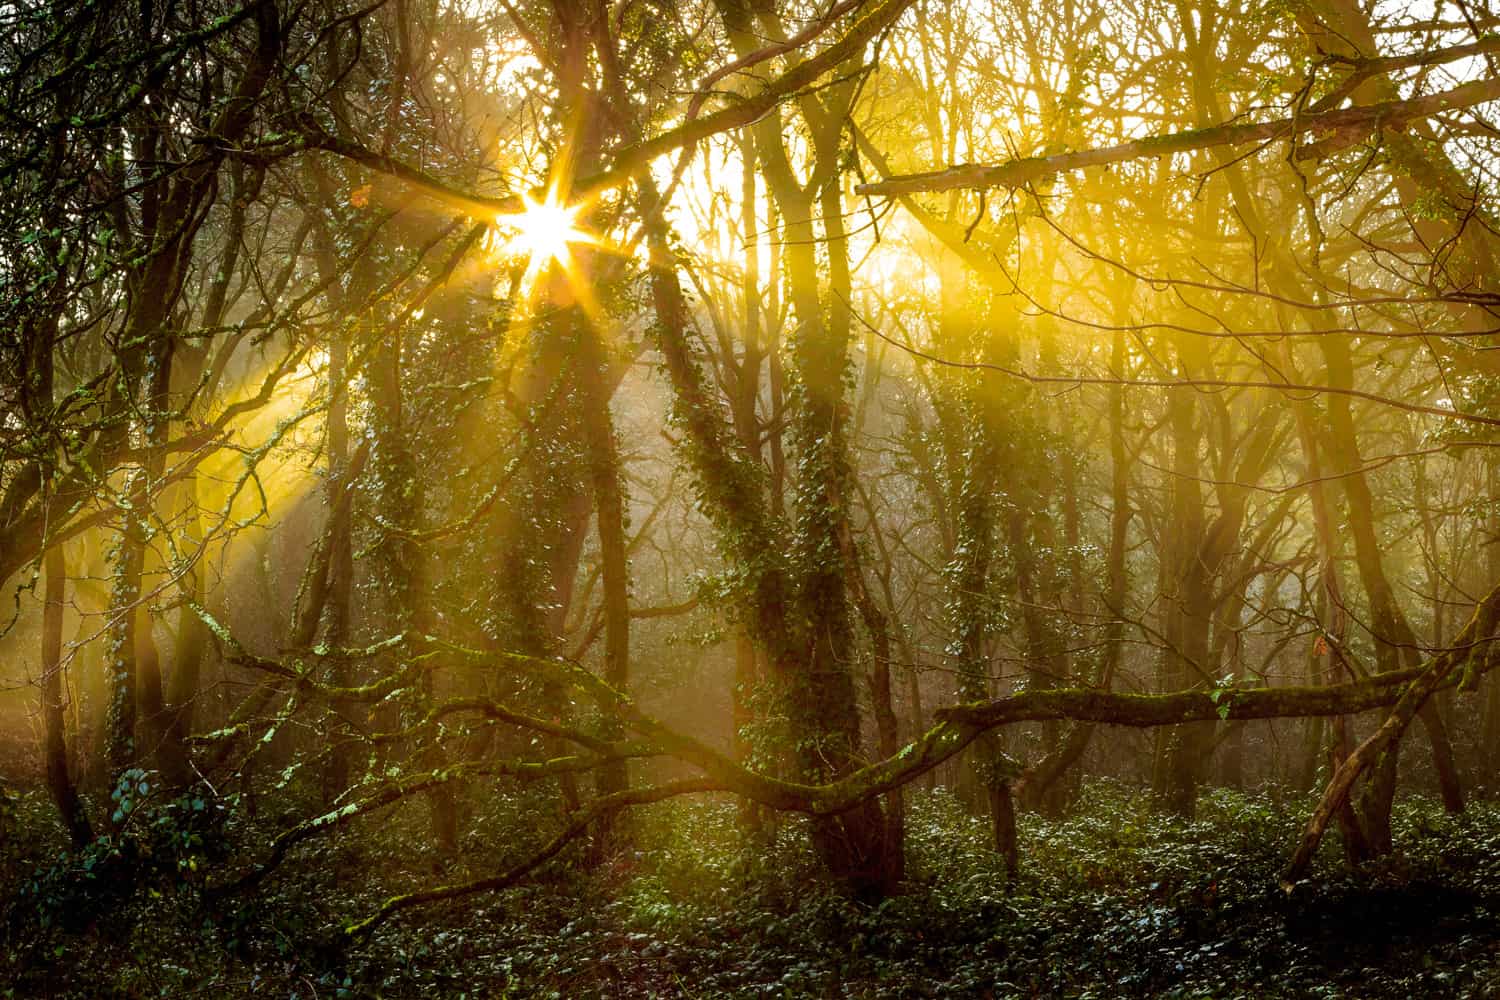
(390,795)
(583,820)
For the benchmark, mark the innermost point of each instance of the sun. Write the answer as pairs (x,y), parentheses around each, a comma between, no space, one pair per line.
(547,234)
(545,230)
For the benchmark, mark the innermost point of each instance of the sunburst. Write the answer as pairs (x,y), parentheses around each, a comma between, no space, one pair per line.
(545,231)
(548,234)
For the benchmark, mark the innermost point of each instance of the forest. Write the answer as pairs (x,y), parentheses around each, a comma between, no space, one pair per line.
(749,498)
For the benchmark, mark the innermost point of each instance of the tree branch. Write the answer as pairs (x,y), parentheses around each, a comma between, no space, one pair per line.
(1344,122)
(629,161)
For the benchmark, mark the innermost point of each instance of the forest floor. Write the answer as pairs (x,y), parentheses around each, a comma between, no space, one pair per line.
(1115,901)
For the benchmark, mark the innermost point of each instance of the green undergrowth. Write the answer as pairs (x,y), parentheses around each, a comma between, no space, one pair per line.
(1115,900)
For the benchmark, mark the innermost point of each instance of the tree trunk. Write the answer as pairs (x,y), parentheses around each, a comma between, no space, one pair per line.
(1395,641)
(170,751)
(59,782)
(603,460)
(340,587)
(1003,820)
(124,622)
(888,739)
(401,559)
(1489,747)
(189,648)
(1183,751)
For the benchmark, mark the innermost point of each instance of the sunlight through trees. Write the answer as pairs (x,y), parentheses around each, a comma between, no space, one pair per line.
(553,408)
